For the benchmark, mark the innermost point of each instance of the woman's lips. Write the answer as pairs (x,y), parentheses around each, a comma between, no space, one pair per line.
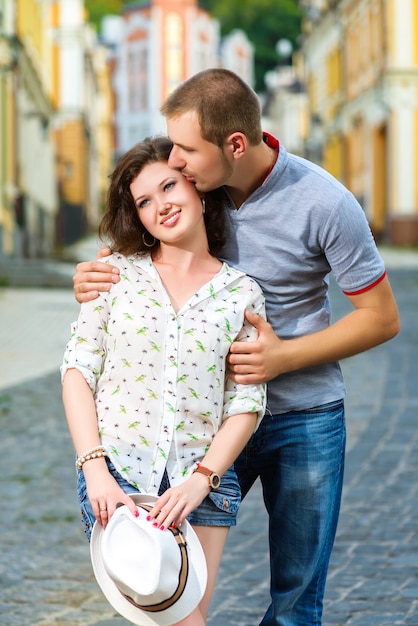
(171,219)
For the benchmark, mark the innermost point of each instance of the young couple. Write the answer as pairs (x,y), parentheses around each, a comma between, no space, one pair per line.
(288,224)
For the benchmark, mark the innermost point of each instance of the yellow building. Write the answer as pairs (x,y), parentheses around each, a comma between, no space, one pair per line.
(361,67)
(105,131)
(28,194)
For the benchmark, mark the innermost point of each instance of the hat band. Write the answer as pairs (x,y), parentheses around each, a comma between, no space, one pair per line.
(184,572)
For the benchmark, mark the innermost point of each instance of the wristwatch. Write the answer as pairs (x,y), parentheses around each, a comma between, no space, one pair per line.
(214,480)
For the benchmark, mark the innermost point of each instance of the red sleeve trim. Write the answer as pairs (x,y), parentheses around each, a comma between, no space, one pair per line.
(376,282)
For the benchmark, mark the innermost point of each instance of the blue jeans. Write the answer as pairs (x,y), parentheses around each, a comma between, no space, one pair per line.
(299,457)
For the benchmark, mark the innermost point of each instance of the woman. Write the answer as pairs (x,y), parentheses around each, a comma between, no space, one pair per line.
(148,401)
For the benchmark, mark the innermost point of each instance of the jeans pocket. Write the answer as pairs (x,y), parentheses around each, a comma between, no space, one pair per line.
(228,497)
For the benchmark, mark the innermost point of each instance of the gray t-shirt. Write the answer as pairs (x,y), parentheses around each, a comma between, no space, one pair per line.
(295,229)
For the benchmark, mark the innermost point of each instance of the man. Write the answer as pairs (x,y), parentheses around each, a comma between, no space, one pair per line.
(289,223)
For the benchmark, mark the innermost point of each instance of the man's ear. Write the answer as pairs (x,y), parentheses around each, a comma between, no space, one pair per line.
(236,143)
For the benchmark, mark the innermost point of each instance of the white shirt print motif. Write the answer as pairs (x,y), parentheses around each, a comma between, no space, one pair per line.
(159,377)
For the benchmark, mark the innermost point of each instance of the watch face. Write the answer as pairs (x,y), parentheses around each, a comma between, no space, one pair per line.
(215,481)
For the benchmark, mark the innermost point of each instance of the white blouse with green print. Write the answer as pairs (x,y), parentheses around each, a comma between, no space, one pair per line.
(158,377)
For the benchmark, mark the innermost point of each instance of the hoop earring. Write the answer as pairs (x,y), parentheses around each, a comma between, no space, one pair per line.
(148,245)
(203,204)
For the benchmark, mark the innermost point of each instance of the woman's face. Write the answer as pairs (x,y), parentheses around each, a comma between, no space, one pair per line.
(168,205)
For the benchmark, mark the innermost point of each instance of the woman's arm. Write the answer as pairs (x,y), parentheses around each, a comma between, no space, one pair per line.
(176,503)
(80,410)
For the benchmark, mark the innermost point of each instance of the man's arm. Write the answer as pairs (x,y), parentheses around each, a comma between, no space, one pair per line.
(93,276)
(375,319)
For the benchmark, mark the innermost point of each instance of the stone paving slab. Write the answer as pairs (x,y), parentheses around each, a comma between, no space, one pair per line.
(45,571)
(34,326)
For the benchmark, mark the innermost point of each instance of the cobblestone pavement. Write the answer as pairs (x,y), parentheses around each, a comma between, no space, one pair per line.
(45,571)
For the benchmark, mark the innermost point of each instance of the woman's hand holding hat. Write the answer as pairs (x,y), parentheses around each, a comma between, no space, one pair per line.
(175,504)
(104,493)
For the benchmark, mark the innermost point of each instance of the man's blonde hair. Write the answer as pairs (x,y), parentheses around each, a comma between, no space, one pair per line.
(223,102)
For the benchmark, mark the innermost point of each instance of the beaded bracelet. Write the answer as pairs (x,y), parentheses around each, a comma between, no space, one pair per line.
(94,453)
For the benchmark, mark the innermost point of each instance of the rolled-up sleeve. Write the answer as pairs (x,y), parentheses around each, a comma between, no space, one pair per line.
(247,398)
(82,352)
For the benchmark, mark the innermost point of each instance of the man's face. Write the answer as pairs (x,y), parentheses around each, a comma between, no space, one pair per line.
(200,161)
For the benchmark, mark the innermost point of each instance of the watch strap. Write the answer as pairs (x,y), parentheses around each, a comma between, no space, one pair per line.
(201,469)
(213,478)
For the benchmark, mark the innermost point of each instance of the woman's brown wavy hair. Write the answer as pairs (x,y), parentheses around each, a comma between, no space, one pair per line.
(121,227)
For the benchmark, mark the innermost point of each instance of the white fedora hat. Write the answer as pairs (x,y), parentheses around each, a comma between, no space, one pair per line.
(149,576)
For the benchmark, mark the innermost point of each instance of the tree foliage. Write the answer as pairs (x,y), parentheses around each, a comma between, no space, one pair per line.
(96,10)
(265,22)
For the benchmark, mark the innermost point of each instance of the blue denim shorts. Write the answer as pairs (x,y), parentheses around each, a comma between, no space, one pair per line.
(219,508)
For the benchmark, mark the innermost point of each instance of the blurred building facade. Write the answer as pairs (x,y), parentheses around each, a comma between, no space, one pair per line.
(71,100)
(157,45)
(285,107)
(83,132)
(28,193)
(361,73)
(8,189)
(55,125)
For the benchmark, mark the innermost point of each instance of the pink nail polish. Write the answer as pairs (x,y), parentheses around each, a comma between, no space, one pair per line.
(155,524)
(136,513)
(148,518)
(162,527)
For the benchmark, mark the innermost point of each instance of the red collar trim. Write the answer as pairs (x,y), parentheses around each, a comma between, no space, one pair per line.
(271,141)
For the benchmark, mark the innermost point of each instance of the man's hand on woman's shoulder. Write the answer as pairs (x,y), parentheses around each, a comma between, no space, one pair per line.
(93,276)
